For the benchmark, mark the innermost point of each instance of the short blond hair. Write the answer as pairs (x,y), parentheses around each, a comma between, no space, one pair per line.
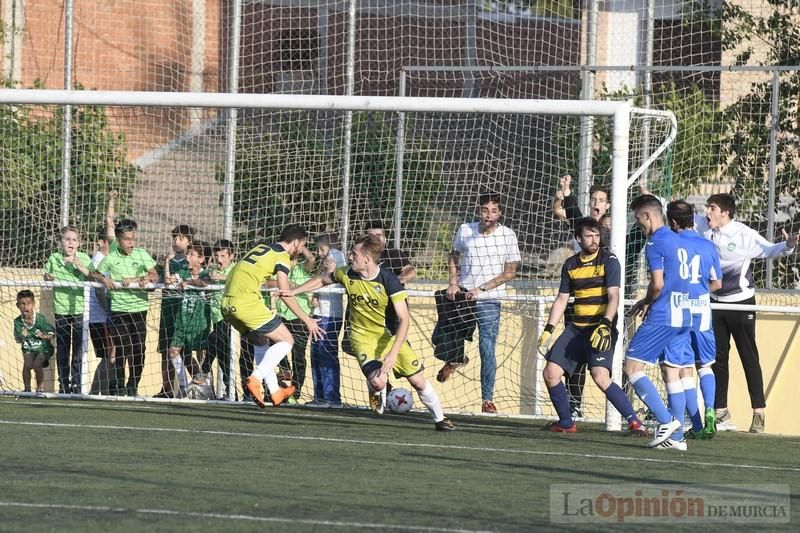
(372,245)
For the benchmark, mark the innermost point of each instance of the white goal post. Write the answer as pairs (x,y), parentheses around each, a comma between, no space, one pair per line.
(619,112)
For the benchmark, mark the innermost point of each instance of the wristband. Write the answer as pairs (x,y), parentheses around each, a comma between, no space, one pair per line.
(549,328)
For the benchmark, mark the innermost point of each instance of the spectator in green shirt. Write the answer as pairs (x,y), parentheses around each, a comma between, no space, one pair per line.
(68,264)
(192,325)
(130,270)
(35,334)
(174,262)
(299,274)
(219,342)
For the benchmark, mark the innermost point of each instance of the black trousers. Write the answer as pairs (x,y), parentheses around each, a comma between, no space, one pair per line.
(219,347)
(69,340)
(742,326)
(100,335)
(129,333)
(298,367)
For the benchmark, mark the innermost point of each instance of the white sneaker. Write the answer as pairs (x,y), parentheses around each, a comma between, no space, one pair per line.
(724,420)
(664,431)
(669,444)
(377,401)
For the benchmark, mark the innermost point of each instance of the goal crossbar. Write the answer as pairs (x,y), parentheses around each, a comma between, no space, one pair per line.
(619,111)
(313,102)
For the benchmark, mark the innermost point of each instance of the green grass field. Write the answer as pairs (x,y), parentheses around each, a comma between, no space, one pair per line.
(119,466)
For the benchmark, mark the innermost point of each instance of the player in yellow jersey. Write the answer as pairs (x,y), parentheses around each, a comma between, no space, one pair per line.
(370,288)
(243,307)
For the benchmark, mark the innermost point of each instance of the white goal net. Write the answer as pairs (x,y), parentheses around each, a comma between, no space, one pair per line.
(416,164)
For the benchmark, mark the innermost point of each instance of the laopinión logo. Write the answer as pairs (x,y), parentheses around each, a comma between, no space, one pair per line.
(658,504)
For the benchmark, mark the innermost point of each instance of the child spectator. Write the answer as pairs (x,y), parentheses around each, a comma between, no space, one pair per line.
(325,368)
(128,269)
(219,342)
(299,274)
(35,334)
(104,379)
(192,323)
(68,264)
(174,262)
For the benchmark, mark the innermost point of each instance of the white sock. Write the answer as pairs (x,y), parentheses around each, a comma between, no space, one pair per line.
(429,397)
(183,379)
(270,359)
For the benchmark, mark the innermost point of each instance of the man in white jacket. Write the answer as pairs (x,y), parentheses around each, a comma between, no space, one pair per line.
(738,245)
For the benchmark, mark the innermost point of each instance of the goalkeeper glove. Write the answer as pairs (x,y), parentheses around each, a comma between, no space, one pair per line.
(545,338)
(601,336)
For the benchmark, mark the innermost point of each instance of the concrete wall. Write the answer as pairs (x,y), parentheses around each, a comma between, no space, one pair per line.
(778,334)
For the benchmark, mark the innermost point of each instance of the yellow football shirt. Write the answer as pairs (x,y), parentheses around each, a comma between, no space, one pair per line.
(368,300)
(260,264)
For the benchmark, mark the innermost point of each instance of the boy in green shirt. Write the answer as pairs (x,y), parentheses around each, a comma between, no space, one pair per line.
(192,324)
(174,262)
(129,270)
(68,264)
(219,342)
(35,334)
(299,274)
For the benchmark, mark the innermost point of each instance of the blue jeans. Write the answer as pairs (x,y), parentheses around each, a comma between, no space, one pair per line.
(487,313)
(69,340)
(325,369)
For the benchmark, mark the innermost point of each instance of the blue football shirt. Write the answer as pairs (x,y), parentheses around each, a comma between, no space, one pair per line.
(666,251)
(704,266)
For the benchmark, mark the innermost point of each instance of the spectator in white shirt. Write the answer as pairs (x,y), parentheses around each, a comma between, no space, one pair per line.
(484,258)
(329,312)
(738,245)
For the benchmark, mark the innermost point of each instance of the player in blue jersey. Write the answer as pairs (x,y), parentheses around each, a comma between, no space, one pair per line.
(705,277)
(666,319)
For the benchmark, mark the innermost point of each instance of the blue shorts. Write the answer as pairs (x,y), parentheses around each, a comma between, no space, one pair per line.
(572,350)
(704,346)
(650,342)
(678,353)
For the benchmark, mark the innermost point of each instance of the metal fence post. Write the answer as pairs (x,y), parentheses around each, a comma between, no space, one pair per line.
(773,156)
(66,149)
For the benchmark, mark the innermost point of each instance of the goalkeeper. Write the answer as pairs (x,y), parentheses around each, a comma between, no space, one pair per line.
(592,276)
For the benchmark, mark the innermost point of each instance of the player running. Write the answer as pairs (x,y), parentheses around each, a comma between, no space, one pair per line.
(243,307)
(370,288)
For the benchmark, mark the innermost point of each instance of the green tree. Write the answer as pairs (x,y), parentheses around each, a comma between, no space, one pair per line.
(31,142)
(373,178)
(691,159)
(770,39)
(293,174)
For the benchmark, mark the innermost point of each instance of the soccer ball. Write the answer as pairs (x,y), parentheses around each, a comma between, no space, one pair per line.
(400,401)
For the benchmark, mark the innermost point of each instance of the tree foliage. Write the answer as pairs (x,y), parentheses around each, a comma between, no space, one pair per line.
(771,39)
(294,174)
(31,144)
(677,171)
